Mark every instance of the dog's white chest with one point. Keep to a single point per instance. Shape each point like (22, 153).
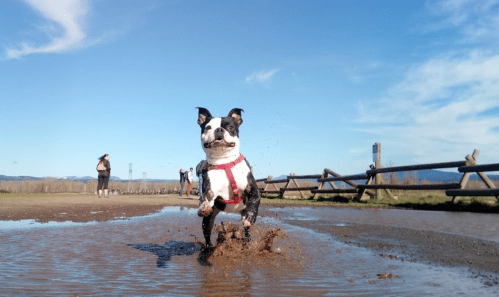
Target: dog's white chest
(220, 184)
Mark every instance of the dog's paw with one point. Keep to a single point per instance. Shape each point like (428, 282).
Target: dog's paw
(248, 217)
(246, 223)
(205, 209)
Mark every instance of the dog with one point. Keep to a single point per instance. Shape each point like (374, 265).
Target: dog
(227, 179)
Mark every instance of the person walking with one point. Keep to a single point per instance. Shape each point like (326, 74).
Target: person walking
(104, 169)
(199, 173)
(182, 181)
(189, 181)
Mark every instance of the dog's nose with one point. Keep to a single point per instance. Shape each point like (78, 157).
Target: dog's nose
(219, 131)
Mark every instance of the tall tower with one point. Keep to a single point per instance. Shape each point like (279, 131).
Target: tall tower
(130, 185)
(143, 184)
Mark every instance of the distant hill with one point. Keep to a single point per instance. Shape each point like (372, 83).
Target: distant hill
(83, 179)
(430, 175)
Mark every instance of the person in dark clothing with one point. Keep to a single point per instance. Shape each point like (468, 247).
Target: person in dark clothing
(182, 181)
(104, 169)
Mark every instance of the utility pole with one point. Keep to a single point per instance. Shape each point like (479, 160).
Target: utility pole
(130, 185)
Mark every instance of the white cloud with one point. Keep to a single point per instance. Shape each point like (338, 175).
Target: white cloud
(69, 16)
(447, 103)
(263, 76)
(476, 20)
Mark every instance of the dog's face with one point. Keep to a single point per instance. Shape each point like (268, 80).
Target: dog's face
(220, 136)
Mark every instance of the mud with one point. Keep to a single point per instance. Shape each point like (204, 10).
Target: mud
(479, 257)
(232, 250)
(270, 248)
(265, 245)
(161, 254)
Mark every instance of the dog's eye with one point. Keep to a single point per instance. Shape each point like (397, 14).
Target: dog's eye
(207, 128)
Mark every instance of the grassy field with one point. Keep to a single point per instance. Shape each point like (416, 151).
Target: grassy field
(421, 200)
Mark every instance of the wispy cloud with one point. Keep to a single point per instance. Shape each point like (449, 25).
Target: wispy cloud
(451, 100)
(442, 95)
(476, 20)
(69, 17)
(263, 76)
(448, 103)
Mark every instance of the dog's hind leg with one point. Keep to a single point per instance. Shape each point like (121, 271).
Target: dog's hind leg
(247, 237)
(208, 223)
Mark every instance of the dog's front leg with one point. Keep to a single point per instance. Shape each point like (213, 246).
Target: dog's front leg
(205, 208)
(208, 223)
(252, 202)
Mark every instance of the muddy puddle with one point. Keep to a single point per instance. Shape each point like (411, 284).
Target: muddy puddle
(160, 255)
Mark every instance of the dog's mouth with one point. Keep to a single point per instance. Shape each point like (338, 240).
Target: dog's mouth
(219, 143)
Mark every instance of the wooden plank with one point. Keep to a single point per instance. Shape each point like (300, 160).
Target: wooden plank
(344, 178)
(329, 171)
(314, 176)
(413, 187)
(300, 189)
(336, 191)
(271, 192)
(470, 161)
(276, 181)
(298, 186)
(363, 192)
(417, 167)
(261, 180)
(486, 180)
(351, 183)
(490, 192)
(479, 168)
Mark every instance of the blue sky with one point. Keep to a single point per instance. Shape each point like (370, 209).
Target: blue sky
(320, 82)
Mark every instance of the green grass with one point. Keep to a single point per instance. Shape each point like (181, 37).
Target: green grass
(420, 200)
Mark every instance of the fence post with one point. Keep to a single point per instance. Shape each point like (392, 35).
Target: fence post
(377, 165)
(470, 160)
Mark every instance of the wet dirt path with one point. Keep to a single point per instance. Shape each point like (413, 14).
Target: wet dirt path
(158, 255)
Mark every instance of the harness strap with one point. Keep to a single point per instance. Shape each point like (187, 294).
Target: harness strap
(227, 167)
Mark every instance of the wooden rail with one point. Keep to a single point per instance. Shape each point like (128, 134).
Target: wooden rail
(480, 171)
(348, 179)
(490, 192)
(362, 191)
(344, 178)
(417, 167)
(479, 168)
(413, 187)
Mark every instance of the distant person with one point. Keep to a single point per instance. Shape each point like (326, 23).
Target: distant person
(104, 169)
(199, 173)
(182, 181)
(188, 178)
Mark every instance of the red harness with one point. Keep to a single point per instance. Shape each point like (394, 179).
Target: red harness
(227, 167)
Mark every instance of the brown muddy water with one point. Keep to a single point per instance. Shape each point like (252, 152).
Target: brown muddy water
(158, 255)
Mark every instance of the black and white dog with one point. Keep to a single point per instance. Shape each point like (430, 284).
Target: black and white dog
(227, 181)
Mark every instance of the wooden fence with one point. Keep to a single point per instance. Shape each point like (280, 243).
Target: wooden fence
(374, 181)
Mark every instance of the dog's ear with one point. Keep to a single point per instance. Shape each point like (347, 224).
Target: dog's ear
(203, 115)
(235, 113)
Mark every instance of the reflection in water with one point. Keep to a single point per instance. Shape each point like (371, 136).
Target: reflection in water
(169, 249)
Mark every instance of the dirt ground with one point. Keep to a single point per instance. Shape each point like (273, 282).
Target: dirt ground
(480, 257)
(85, 208)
